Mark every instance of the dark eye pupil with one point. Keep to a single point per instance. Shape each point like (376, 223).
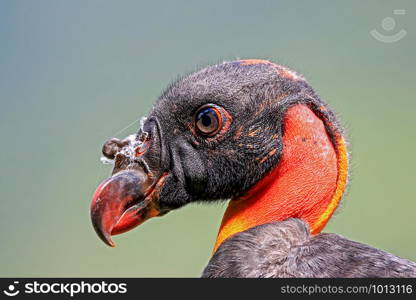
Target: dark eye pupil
(206, 120)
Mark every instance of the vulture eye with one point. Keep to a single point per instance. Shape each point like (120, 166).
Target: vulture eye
(208, 120)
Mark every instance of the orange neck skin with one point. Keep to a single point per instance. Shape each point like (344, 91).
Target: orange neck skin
(307, 183)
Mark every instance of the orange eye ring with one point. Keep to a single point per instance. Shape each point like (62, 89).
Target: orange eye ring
(208, 120)
(216, 124)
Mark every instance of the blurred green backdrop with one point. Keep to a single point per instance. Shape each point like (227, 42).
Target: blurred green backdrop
(73, 73)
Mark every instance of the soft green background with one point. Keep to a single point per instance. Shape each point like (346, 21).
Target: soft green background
(73, 73)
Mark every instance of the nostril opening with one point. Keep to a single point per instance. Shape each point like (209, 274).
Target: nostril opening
(113, 146)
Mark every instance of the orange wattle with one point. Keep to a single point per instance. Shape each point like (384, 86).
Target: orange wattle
(307, 183)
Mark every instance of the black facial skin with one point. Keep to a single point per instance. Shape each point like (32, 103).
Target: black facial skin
(228, 164)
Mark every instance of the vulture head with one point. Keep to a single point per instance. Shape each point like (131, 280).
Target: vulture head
(250, 131)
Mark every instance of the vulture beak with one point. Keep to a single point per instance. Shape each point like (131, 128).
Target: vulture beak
(130, 196)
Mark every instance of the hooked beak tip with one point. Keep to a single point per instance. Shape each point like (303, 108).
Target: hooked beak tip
(104, 235)
(110, 243)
